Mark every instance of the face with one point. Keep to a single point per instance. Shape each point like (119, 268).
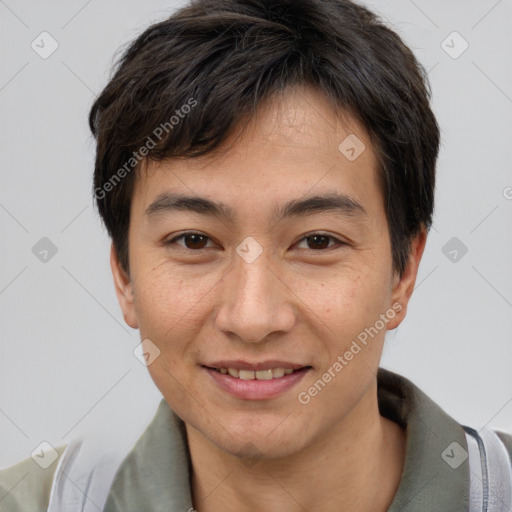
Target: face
(284, 262)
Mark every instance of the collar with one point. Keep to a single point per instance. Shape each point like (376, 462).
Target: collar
(428, 482)
(155, 475)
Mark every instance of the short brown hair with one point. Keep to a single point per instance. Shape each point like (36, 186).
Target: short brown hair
(223, 58)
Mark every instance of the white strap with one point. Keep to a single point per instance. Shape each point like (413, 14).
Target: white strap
(476, 492)
(83, 477)
(490, 472)
(499, 472)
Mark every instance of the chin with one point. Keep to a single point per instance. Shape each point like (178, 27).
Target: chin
(260, 439)
(258, 448)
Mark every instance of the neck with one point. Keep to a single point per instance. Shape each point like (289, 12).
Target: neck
(357, 466)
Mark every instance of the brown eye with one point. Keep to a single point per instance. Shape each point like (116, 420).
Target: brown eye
(318, 241)
(192, 241)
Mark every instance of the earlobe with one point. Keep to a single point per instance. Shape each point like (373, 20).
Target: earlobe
(403, 287)
(124, 290)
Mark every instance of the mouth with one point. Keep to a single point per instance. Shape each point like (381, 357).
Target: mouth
(256, 381)
(268, 374)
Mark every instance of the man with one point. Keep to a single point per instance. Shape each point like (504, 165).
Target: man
(266, 172)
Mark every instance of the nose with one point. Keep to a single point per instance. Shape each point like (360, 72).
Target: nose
(255, 301)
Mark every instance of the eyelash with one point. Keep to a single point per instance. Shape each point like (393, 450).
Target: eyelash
(309, 235)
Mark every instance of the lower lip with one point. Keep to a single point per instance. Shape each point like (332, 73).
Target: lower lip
(256, 389)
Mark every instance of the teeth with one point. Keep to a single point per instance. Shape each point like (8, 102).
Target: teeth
(246, 375)
(233, 372)
(264, 374)
(271, 373)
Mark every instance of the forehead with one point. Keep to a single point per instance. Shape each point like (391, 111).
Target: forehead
(295, 146)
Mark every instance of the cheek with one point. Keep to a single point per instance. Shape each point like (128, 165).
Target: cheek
(169, 303)
(351, 294)
(351, 308)
(170, 306)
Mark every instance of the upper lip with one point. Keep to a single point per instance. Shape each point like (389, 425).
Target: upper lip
(254, 366)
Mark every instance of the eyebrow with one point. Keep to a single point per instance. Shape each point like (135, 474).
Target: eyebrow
(341, 203)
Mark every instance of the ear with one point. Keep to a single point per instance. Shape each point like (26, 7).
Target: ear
(124, 290)
(404, 286)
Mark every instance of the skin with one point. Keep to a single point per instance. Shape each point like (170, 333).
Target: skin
(294, 303)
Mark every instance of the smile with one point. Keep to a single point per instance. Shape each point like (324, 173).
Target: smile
(271, 373)
(256, 384)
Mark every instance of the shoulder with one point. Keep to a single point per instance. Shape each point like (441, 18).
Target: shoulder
(68, 476)
(62, 478)
(26, 486)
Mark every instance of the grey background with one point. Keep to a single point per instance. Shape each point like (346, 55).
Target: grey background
(66, 357)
